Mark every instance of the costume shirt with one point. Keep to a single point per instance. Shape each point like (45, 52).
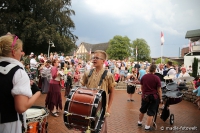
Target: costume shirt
(21, 86)
(94, 79)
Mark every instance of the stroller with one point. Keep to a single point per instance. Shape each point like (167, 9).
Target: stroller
(171, 94)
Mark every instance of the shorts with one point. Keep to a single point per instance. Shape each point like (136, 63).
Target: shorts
(148, 107)
(131, 89)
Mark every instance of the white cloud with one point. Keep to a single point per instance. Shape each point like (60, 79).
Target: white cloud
(162, 14)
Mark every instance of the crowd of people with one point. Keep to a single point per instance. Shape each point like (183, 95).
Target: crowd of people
(27, 76)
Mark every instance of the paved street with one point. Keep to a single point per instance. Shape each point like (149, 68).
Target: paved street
(124, 117)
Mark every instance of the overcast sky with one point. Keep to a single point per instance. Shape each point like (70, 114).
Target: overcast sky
(98, 21)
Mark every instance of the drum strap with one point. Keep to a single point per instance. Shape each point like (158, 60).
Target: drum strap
(102, 77)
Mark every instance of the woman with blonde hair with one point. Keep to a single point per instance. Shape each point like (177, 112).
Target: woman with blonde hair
(15, 93)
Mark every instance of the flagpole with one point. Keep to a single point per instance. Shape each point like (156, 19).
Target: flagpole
(161, 53)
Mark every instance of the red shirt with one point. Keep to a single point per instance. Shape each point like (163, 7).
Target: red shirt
(150, 83)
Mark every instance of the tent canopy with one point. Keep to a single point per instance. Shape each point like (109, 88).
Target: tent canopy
(193, 35)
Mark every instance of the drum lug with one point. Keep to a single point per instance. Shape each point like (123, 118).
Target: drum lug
(67, 113)
(91, 118)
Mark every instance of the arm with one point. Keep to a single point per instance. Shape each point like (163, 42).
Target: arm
(160, 93)
(22, 103)
(111, 96)
(22, 93)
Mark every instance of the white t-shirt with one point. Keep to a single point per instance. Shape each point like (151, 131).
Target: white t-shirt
(21, 86)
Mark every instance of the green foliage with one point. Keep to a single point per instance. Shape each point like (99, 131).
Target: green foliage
(38, 21)
(165, 61)
(143, 50)
(195, 67)
(119, 48)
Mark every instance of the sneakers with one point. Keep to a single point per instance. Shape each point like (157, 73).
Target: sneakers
(139, 124)
(149, 129)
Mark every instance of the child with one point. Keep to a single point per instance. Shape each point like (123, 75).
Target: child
(198, 96)
(68, 84)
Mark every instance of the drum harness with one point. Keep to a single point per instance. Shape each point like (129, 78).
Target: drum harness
(102, 77)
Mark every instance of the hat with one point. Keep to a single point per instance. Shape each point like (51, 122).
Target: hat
(183, 68)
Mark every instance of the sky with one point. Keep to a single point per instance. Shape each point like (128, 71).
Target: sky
(98, 21)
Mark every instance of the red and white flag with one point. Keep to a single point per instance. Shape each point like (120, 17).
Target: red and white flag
(90, 51)
(190, 46)
(162, 38)
(136, 51)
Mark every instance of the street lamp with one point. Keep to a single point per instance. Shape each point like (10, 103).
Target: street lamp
(52, 45)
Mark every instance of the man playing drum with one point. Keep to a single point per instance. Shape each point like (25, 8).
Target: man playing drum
(107, 85)
(151, 96)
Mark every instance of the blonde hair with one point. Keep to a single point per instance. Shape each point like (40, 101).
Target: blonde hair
(102, 52)
(6, 44)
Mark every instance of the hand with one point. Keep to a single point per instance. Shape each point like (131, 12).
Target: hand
(31, 82)
(35, 88)
(161, 101)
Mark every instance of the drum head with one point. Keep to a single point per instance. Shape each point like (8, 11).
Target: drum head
(163, 84)
(35, 111)
(172, 86)
(173, 94)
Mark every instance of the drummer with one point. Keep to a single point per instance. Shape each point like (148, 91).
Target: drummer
(170, 72)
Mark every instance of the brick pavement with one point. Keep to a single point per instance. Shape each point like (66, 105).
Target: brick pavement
(124, 116)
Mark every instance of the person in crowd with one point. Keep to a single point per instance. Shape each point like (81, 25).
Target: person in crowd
(125, 73)
(196, 81)
(45, 72)
(170, 72)
(53, 99)
(142, 72)
(16, 95)
(88, 66)
(67, 60)
(132, 77)
(197, 91)
(116, 76)
(34, 65)
(107, 85)
(151, 96)
(183, 73)
(77, 77)
(62, 60)
(111, 66)
(41, 56)
(160, 69)
(122, 72)
(189, 70)
(51, 57)
(68, 84)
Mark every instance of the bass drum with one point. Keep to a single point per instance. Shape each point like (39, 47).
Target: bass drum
(85, 109)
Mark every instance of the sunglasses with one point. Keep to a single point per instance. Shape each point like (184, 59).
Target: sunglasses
(97, 58)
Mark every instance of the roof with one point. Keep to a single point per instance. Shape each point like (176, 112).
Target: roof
(94, 47)
(193, 35)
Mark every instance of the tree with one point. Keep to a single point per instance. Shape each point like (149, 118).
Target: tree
(37, 22)
(119, 48)
(143, 50)
(195, 67)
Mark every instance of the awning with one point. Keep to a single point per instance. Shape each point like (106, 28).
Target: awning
(193, 35)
